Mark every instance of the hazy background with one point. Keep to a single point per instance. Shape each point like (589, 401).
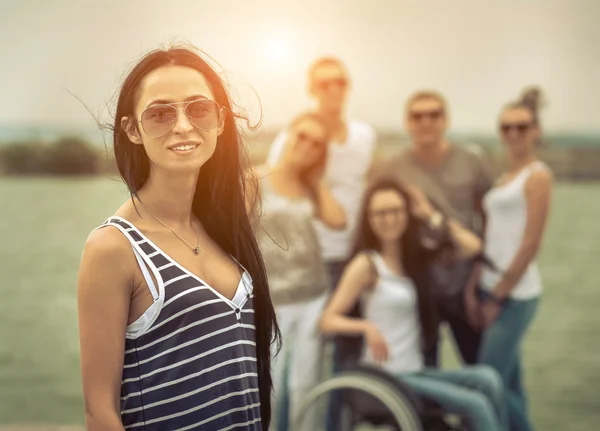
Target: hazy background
(479, 53)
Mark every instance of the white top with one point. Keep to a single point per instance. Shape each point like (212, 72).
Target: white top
(345, 176)
(392, 306)
(506, 212)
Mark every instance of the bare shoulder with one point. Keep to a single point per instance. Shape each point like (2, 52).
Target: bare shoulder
(107, 243)
(107, 253)
(540, 179)
(361, 265)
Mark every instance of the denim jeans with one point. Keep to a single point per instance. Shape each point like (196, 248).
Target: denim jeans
(475, 393)
(500, 349)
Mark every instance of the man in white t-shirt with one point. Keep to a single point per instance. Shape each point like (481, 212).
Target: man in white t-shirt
(350, 155)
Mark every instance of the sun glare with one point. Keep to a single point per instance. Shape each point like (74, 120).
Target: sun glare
(276, 50)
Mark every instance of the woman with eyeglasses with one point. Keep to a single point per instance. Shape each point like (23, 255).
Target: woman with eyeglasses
(293, 195)
(175, 318)
(516, 209)
(388, 277)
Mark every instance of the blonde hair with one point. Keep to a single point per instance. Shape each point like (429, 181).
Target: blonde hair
(325, 61)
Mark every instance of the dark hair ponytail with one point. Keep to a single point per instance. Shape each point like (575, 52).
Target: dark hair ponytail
(531, 99)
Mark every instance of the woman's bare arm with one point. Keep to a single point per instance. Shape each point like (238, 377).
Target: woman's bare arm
(356, 279)
(329, 210)
(467, 242)
(103, 297)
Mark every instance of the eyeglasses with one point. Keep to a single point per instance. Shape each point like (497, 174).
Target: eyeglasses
(383, 213)
(419, 116)
(303, 136)
(327, 84)
(521, 128)
(158, 120)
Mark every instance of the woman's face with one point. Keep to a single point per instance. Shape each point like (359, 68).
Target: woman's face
(518, 131)
(176, 119)
(388, 215)
(307, 143)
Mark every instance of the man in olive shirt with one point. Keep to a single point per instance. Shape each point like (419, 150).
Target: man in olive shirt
(455, 180)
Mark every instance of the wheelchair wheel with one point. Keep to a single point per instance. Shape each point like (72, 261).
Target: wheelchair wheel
(400, 407)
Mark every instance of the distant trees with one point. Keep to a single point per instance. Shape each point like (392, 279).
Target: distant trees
(66, 156)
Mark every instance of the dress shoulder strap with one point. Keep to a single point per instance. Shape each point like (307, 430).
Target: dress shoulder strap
(142, 249)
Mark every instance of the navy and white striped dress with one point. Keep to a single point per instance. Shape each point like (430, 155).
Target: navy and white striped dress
(190, 360)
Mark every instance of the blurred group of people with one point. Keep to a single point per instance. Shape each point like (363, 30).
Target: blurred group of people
(389, 249)
(204, 299)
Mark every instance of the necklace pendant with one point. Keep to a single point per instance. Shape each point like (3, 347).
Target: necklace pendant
(196, 250)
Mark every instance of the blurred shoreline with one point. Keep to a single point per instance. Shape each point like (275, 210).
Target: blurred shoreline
(265, 135)
(45, 150)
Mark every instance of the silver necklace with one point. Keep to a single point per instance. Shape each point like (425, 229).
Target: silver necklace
(196, 249)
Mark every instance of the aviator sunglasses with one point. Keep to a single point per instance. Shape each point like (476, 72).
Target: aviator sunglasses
(158, 120)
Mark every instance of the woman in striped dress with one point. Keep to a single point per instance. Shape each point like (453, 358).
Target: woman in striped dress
(175, 317)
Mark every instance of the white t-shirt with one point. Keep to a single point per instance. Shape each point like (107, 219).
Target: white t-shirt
(345, 176)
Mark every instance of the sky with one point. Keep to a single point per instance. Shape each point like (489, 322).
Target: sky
(478, 53)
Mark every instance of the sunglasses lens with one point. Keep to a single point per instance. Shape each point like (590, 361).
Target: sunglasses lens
(305, 137)
(431, 115)
(521, 128)
(339, 82)
(158, 120)
(203, 114)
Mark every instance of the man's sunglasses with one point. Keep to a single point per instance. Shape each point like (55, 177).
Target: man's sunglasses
(329, 83)
(434, 115)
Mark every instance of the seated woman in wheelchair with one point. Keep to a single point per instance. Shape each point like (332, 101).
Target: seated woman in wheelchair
(387, 277)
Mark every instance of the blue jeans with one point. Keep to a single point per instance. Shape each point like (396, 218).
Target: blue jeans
(500, 349)
(475, 393)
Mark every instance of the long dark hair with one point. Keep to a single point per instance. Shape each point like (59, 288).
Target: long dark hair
(415, 258)
(219, 201)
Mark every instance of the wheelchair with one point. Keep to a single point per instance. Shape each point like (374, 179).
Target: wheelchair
(370, 396)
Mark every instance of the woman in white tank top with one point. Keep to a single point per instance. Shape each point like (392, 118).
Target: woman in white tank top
(388, 276)
(516, 212)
